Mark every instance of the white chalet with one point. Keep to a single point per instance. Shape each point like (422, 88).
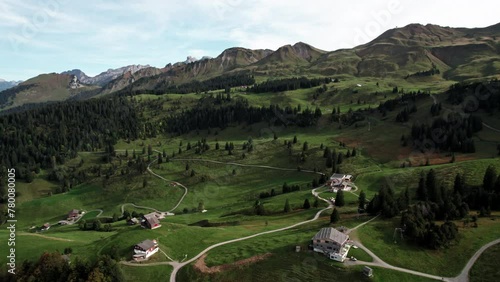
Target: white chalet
(145, 249)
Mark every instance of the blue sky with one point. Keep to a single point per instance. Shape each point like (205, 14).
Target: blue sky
(57, 35)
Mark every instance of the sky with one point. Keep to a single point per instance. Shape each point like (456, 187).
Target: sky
(47, 36)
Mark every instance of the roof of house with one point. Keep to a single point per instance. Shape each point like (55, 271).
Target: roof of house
(337, 175)
(147, 244)
(332, 234)
(74, 211)
(151, 219)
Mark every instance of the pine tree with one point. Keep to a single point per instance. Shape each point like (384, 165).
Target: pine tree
(306, 204)
(354, 153)
(335, 216)
(422, 193)
(305, 147)
(295, 139)
(489, 179)
(459, 185)
(362, 200)
(339, 199)
(430, 184)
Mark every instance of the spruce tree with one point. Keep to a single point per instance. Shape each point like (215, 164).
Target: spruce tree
(335, 216)
(489, 178)
(362, 200)
(339, 199)
(306, 204)
(422, 193)
(430, 184)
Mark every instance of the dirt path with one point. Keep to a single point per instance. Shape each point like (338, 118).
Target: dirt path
(247, 165)
(201, 266)
(43, 236)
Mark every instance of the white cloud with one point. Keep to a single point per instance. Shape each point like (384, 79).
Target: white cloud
(95, 34)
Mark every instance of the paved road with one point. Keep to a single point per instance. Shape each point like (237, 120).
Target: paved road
(464, 275)
(491, 127)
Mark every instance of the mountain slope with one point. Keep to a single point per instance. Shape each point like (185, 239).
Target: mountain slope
(43, 88)
(460, 54)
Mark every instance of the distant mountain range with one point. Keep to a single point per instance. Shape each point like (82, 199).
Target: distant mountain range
(104, 77)
(7, 84)
(460, 54)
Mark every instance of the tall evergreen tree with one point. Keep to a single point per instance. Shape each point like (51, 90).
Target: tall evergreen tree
(431, 185)
(490, 176)
(287, 208)
(306, 204)
(362, 200)
(459, 185)
(422, 193)
(339, 199)
(335, 216)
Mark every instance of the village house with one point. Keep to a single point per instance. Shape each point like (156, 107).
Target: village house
(45, 227)
(133, 221)
(73, 214)
(339, 181)
(331, 242)
(151, 221)
(145, 249)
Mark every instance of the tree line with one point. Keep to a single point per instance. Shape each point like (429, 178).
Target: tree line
(453, 133)
(236, 111)
(477, 95)
(54, 267)
(288, 84)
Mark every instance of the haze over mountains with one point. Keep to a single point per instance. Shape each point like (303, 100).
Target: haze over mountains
(460, 54)
(7, 84)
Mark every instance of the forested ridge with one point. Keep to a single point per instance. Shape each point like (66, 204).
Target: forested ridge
(287, 84)
(221, 111)
(47, 136)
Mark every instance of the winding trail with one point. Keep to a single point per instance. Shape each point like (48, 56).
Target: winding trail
(43, 236)
(491, 127)
(464, 275)
(247, 165)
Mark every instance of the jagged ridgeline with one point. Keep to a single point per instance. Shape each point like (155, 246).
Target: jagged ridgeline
(47, 136)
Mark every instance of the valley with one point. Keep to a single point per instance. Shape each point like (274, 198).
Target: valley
(230, 165)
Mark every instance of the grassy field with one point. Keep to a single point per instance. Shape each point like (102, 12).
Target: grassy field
(150, 273)
(378, 236)
(486, 267)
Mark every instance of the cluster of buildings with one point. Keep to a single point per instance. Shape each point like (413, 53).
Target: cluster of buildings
(150, 220)
(339, 181)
